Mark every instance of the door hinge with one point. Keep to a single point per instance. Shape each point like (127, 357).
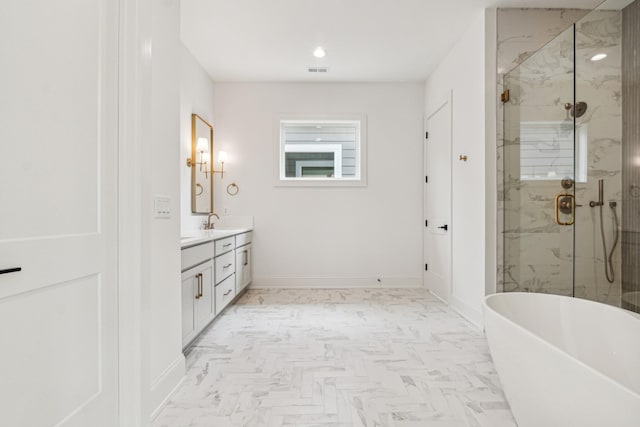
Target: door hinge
(426, 135)
(426, 179)
(426, 267)
(426, 223)
(505, 96)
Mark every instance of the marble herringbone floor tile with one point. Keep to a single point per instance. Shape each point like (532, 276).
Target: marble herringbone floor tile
(340, 358)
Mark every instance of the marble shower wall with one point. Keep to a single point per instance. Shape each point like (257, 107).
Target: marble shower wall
(539, 254)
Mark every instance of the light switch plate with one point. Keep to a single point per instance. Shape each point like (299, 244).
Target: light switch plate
(162, 207)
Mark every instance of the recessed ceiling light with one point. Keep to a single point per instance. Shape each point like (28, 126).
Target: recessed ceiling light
(598, 57)
(319, 52)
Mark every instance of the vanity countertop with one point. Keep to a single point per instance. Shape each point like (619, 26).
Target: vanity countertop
(196, 237)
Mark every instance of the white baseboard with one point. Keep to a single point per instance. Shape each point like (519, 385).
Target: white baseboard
(319, 282)
(472, 315)
(166, 385)
(438, 297)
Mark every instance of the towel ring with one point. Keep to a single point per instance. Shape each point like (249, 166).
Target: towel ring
(233, 189)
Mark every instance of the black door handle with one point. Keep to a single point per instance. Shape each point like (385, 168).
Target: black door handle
(444, 227)
(11, 270)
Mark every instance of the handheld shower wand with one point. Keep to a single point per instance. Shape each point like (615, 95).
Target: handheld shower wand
(608, 256)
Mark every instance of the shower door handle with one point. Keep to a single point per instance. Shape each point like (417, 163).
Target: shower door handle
(565, 203)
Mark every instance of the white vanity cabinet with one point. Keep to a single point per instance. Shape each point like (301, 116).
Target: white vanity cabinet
(210, 266)
(243, 261)
(197, 289)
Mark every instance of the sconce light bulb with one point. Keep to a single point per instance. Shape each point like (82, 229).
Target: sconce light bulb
(319, 52)
(202, 145)
(222, 156)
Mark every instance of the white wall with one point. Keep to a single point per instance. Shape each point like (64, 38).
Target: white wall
(312, 237)
(463, 72)
(160, 237)
(196, 96)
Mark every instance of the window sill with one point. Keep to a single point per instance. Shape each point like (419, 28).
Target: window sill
(301, 182)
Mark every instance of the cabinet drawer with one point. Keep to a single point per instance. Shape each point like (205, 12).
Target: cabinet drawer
(243, 239)
(225, 293)
(225, 245)
(196, 255)
(225, 266)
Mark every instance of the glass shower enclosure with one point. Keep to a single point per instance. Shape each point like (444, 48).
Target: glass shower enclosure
(572, 162)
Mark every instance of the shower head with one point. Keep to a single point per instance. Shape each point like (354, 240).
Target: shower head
(576, 111)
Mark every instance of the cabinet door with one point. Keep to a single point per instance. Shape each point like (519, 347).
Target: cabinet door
(205, 309)
(246, 267)
(189, 293)
(240, 254)
(243, 267)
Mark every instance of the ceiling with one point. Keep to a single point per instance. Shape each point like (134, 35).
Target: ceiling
(365, 40)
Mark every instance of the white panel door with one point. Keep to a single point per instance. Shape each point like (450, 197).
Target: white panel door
(437, 202)
(58, 213)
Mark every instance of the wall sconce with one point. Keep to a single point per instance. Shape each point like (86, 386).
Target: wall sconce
(202, 147)
(222, 157)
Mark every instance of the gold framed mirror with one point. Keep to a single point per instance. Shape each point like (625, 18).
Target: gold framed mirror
(201, 165)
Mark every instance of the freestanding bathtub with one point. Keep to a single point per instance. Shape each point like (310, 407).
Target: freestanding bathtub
(565, 362)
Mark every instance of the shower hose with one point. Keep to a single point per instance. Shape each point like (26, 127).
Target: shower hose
(608, 256)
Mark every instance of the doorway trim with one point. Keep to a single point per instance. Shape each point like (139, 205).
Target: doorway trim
(445, 102)
(133, 115)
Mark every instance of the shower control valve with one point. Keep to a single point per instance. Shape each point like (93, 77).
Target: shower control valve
(566, 183)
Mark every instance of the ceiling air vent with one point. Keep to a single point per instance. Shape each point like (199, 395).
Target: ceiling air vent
(318, 69)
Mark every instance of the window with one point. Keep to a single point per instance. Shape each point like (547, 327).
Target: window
(321, 152)
(547, 151)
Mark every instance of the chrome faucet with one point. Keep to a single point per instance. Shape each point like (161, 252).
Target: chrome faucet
(210, 225)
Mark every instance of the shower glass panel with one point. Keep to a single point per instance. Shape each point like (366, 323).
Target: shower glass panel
(540, 170)
(571, 156)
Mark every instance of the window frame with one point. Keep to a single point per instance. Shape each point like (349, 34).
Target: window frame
(580, 141)
(279, 151)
